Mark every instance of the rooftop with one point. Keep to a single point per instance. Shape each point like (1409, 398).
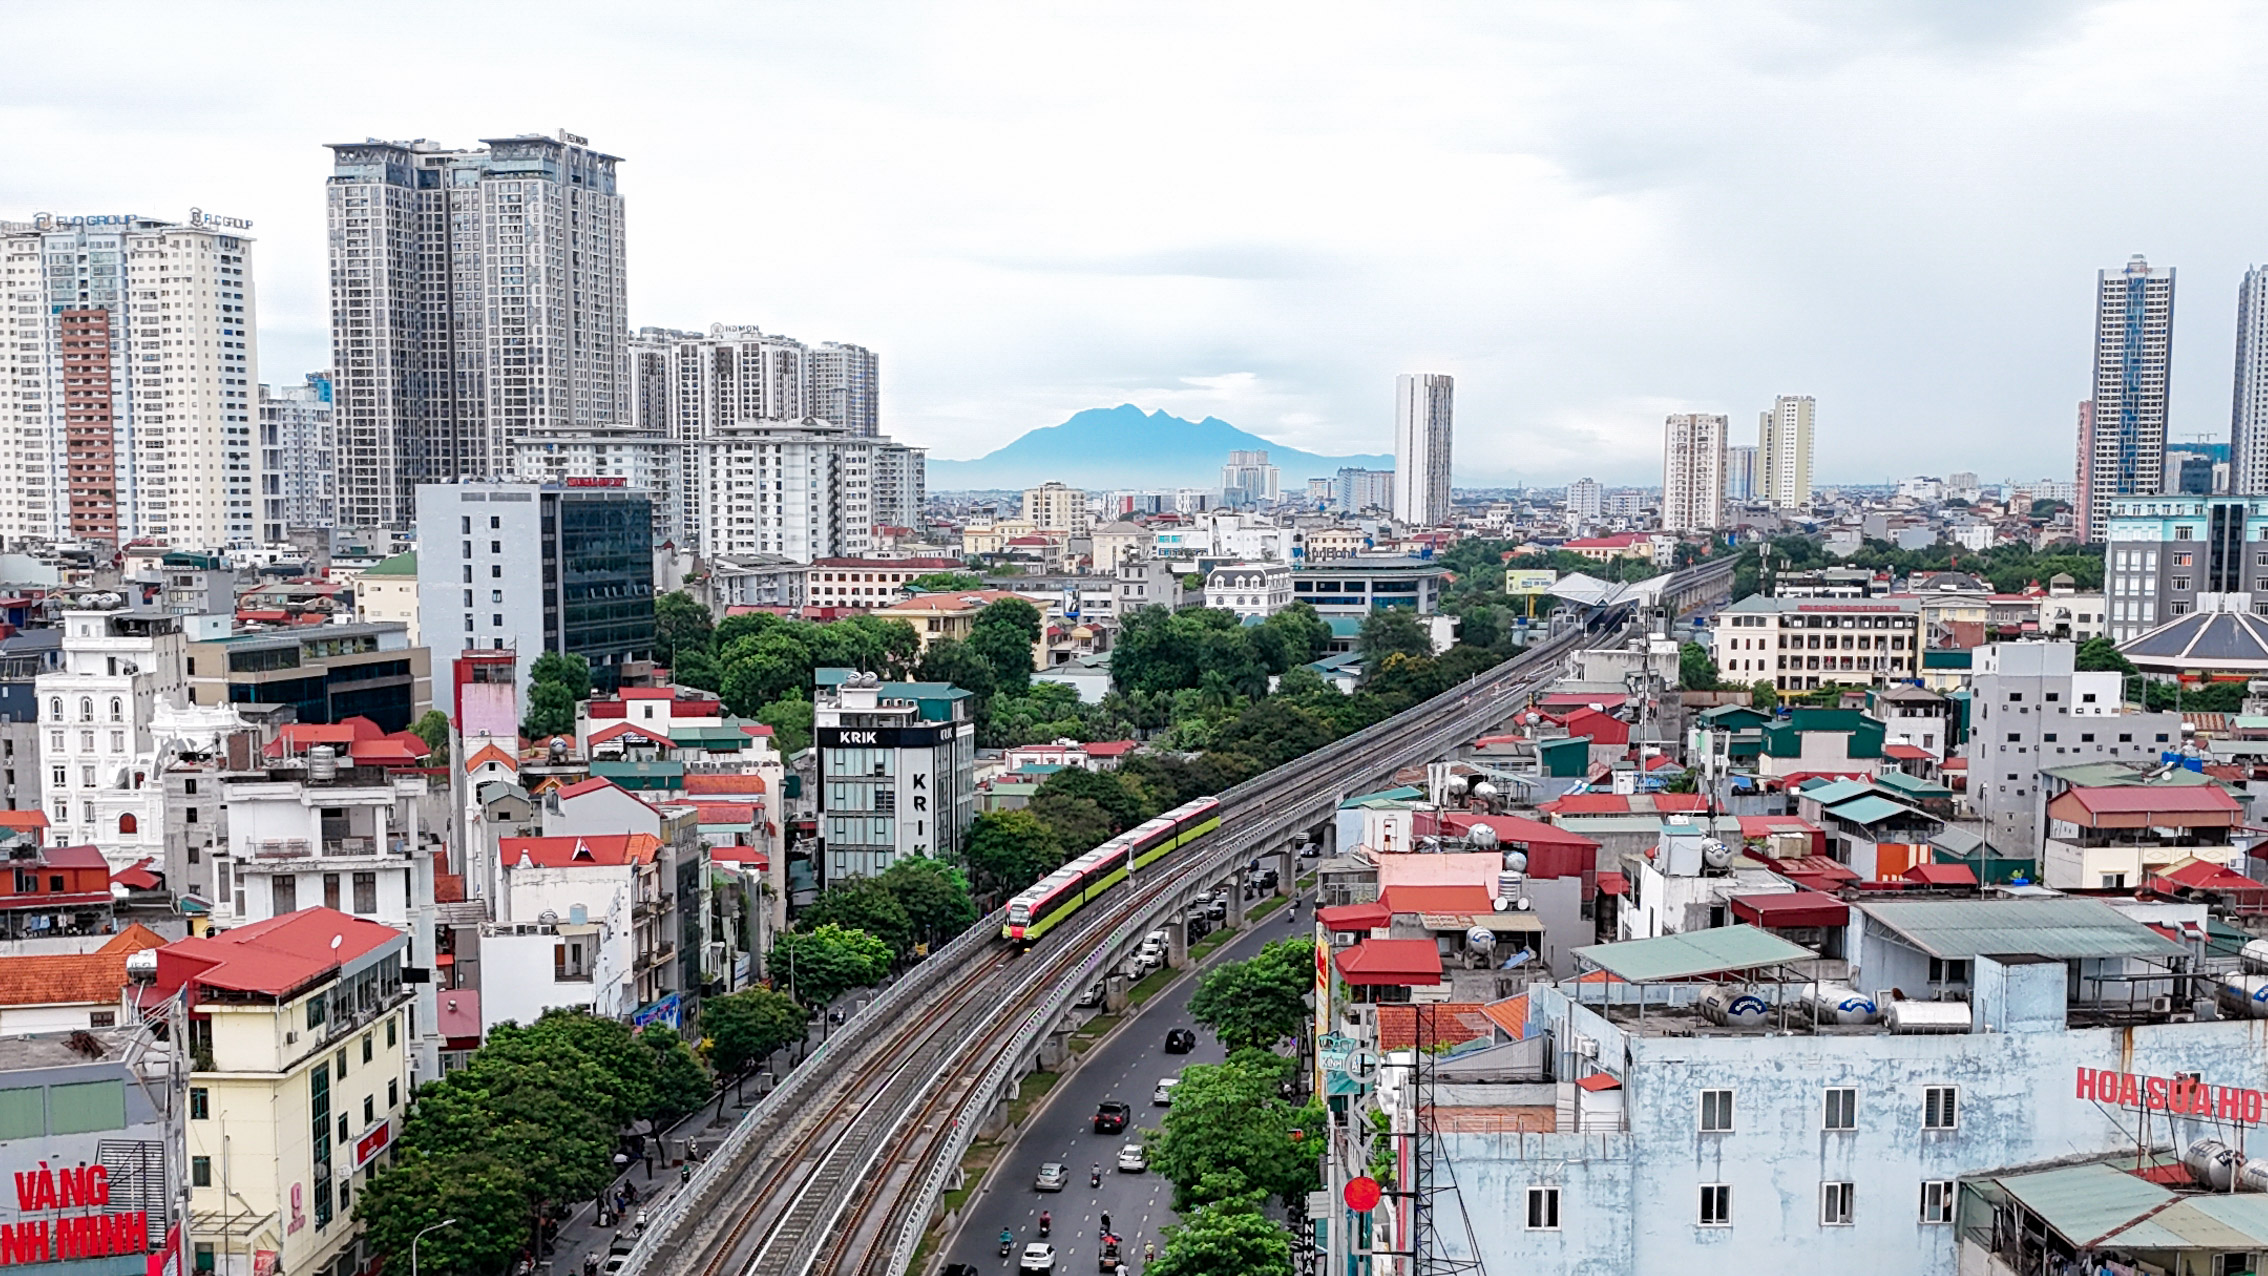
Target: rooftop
(1693, 954)
(2064, 928)
(611, 849)
(279, 955)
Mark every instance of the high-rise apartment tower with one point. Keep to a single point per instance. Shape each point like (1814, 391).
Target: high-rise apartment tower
(1693, 472)
(1423, 412)
(2248, 409)
(298, 458)
(1783, 452)
(475, 295)
(2133, 366)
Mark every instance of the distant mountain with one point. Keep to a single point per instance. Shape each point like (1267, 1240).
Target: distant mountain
(1106, 448)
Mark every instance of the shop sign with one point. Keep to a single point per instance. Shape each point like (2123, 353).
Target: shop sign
(2181, 1096)
(69, 1236)
(371, 1144)
(597, 480)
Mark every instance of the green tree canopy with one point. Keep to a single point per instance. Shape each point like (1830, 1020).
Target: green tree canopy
(1009, 850)
(950, 660)
(1274, 732)
(2101, 655)
(1229, 1237)
(433, 728)
(1260, 1001)
(822, 964)
(747, 1027)
(1003, 635)
(681, 624)
(790, 721)
(1229, 1132)
(1390, 630)
(1101, 788)
(1764, 694)
(681, 1080)
(551, 711)
(947, 582)
(935, 896)
(862, 904)
(486, 1196)
(571, 672)
(1695, 670)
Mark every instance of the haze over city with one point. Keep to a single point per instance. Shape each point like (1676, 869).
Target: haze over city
(1589, 216)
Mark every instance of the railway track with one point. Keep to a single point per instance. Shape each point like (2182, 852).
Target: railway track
(837, 1171)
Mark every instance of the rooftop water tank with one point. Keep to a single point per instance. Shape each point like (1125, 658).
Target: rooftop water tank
(1735, 1008)
(1941, 1017)
(1840, 1005)
(2254, 957)
(2212, 1163)
(322, 763)
(141, 967)
(2243, 996)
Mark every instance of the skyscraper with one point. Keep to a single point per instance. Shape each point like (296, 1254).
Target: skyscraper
(1740, 472)
(2248, 409)
(475, 295)
(129, 342)
(1422, 427)
(1693, 472)
(841, 386)
(1248, 479)
(2083, 486)
(1783, 452)
(2133, 365)
(298, 474)
(1585, 500)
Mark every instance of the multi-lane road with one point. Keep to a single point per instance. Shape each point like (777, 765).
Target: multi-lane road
(1126, 1066)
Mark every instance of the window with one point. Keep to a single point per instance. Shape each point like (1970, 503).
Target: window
(1941, 1108)
(1841, 1109)
(366, 1044)
(1716, 1205)
(393, 1093)
(1955, 971)
(369, 1109)
(1937, 1201)
(200, 1103)
(1543, 1209)
(1835, 1204)
(365, 897)
(340, 1063)
(315, 1011)
(1716, 1111)
(200, 1171)
(390, 1020)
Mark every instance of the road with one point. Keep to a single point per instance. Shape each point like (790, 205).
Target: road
(1125, 1067)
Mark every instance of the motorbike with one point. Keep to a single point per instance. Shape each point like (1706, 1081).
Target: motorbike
(1045, 1222)
(1007, 1244)
(1094, 1177)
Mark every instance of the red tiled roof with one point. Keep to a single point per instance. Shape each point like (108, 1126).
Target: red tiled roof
(1954, 764)
(1792, 908)
(1111, 748)
(564, 852)
(490, 753)
(137, 878)
(73, 857)
(1599, 1081)
(1510, 1014)
(1445, 1023)
(133, 939)
(383, 752)
(2149, 800)
(64, 979)
(1438, 899)
(1906, 752)
(1612, 883)
(1621, 804)
(1941, 875)
(620, 729)
(275, 956)
(2208, 876)
(580, 787)
(1391, 963)
(1519, 830)
(726, 784)
(1354, 917)
(22, 821)
(749, 855)
(725, 812)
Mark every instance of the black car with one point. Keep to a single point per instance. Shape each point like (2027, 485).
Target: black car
(1180, 1041)
(960, 1269)
(1111, 1118)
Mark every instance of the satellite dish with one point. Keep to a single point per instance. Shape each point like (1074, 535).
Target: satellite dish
(1500, 904)
(337, 940)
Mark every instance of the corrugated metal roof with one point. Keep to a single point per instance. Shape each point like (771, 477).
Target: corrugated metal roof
(1871, 809)
(2084, 1202)
(1834, 791)
(1958, 929)
(1700, 952)
(2207, 1221)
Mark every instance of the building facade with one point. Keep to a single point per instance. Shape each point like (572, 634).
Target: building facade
(1056, 507)
(1248, 479)
(94, 1124)
(1360, 584)
(1586, 499)
(1693, 472)
(2248, 410)
(1249, 589)
(1740, 473)
(475, 295)
(2134, 311)
(1357, 491)
(96, 709)
(2168, 556)
(804, 490)
(298, 459)
(2029, 711)
(1783, 452)
(1802, 644)
(321, 673)
(129, 342)
(1424, 421)
(897, 774)
(649, 463)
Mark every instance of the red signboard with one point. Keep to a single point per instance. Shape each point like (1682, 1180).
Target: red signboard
(2182, 1096)
(1363, 1194)
(597, 480)
(371, 1144)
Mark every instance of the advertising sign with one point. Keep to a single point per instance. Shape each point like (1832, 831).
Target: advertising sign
(2182, 1096)
(1529, 581)
(663, 1012)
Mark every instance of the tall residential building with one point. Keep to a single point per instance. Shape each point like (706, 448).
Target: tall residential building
(842, 385)
(1054, 507)
(2248, 409)
(1693, 472)
(2133, 367)
(1783, 452)
(97, 706)
(2083, 486)
(1740, 472)
(901, 483)
(803, 490)
(476, 295)
(128, 346)
(298, 475)
(1585, 500)
(1248, 479)
(1423, 410)
(528, 569)
(1356, 491)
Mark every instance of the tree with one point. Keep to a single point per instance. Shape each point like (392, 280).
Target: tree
(790, 721)
(1230, 1132)
(1764, 694)
(1009, 850)
(681, 624)
(764, 667)
(571, 672)
(958, 664)
(433, 728)
(1292, 637)
(862, 904)
(696, 668)
(486, 1196)
(681, 1082)
(551, 711)
(2101, 655)
(1390, 630)
(1274, 732)
(1004, 635)
(1229, 1237)
(1102, 789)
(1260, 1001)
(934, 894)
(1078, 823)
(1695, 670)
(745, 1028)
(823, 964)
(946, 582)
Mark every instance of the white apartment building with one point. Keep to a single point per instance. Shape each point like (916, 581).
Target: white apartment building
(1783, 452)
(1423, 423)
(1740, 472)
(128, 343)
(1248, 479)
(1693, 472)
(475, 295)
(651, 463)
(842, 385)
(1249, 589)
(901, 483)
(799, 489)
(2248, 424)
(1585, 500)
(1053, 507)
(298, 459)
(1356, 491)
(1803, 644)
(95, 713)
(2030, 711)
(2124, 433)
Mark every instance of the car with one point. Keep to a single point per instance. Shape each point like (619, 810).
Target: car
(1037, 1258)
(1110, 1118)
(614, 1264)
(1132, 1159)
(1216, 908)
(1163, 1095)
(960, 1269)
(1180, 1041)
(1052, 1177)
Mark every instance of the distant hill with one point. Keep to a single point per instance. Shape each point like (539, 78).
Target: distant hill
(1105, 448)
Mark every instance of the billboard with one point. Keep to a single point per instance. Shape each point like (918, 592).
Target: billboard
(1529, 581)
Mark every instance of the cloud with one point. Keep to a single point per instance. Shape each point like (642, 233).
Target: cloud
(1589, 215)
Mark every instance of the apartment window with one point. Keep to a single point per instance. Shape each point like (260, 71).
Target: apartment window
(1716, 1205)
(367, 1044)
(1716, 1111)
(365, 899)
(1835, 1201)
(200, 1103)
(1841, 1109)
(390, 1031)
(393, 1093)
(1543, 1209)
(200, 1171)
(2181, 582)
(1941, 1107)
(1955, 971)
(1937, 1201)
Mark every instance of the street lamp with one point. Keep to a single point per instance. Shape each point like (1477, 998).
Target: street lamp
(447, 1222)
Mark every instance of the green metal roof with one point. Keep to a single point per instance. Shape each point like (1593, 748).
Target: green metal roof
(1399, 793)
(1911, 786)
(1872, 809)
(1829, 792)
(1959, 929)
(2096, 774)
(2084, 1202)
(404, 564)
(2210, 1221)
(641, 776)
(1694, 953)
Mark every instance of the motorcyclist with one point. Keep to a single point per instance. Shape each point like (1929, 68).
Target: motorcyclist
(1046, 1222)
(1094, 1176)
(1007, 1240)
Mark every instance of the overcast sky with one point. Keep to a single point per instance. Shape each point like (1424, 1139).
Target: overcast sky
(1590, 215)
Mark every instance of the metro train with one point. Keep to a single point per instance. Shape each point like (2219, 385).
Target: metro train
(1061, 893)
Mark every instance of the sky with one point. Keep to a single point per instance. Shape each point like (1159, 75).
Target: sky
(1590, 215)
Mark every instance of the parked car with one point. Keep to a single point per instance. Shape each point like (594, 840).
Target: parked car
(1112, 1117)
(1216, 908)
(1180, 1041)
(1051, 1177)
(1163, 1095)
(1132, 1159)
(1037, 1258)
(961, 1269)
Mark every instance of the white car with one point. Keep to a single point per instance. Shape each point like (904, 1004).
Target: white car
(1163, 1095)
(1133, 1159)
(1037, 1258)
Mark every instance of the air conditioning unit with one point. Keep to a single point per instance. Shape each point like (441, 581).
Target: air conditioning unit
(290, 1038)
(2161, 1005)
(1586, 1047)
